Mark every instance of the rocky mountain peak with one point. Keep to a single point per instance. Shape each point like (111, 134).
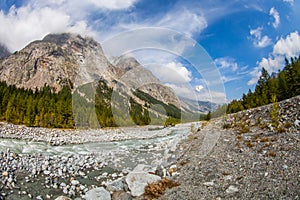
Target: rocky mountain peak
(70, 60)
(56, 60)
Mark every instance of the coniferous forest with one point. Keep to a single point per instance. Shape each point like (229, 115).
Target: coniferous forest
(44, 108)
(269, 88)
(41, 108)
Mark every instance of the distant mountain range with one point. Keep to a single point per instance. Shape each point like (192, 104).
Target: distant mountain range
(60, 60)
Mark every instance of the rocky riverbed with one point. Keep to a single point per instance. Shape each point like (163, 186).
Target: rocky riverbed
(58, 137)
(40, 170)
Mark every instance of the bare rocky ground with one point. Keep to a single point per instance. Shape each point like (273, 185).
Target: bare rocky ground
(243, 156)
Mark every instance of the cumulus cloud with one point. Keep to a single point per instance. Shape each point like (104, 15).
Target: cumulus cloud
(284, 47)
(289, 46)
(36, 18)
(25, 24)
(259, 40)
(172, 72)
(274, 13)
(183, 90)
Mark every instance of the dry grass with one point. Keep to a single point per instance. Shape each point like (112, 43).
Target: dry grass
(280, 129)
(155, 190)
(265, 139)
(244, 128)
(239, 137)
(272, 154)
(249, 144)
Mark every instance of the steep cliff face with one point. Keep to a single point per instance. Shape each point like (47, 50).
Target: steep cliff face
(57, 60)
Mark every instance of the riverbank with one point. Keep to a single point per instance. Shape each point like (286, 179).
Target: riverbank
(59, 137)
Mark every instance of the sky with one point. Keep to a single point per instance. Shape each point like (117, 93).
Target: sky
(238, 36)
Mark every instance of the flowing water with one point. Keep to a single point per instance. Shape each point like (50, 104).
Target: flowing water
(121, 154)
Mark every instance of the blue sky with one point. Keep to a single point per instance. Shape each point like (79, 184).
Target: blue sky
(240, 36)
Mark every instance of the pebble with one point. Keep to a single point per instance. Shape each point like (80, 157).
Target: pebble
(75, 182)
(47, 172)
(209, 184)
(232, 189)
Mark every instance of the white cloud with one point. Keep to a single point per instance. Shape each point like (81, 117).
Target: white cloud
(113, 4)
(81, 5)
(199, 88)
(227, 79)
(284, 47)
(274, 13)
(290, 46)
(183, 20)
(183, 90)
(226, 62)
(36, 18)
(289, 1)
(171, 73)
(26, 24)
(259, 40)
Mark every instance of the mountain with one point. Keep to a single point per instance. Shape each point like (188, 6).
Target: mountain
(66, 60)
(4, 52)
(56, 61)
(198, 106)
(134, 75)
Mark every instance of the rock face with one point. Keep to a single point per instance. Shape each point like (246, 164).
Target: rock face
(133, 74)
(57, 60)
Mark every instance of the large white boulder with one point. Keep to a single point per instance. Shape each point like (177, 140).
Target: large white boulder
(98, 193)
(137, 182)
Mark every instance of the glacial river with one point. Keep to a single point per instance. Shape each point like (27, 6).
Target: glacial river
(121, 154)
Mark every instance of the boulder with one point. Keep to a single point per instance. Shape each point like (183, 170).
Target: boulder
(62, 198)
(98, 193)
(137, 182)
(121, 195)
(116, 185)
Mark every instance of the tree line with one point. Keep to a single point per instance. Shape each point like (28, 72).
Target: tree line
(36, 108)
(282, 85)
(87, 107)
